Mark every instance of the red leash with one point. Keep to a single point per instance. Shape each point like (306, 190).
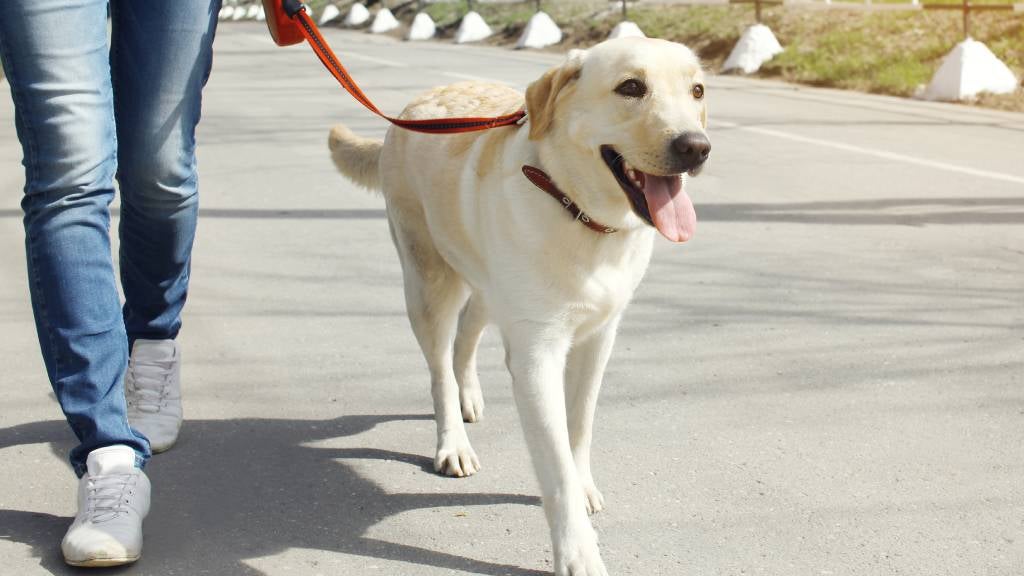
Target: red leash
(289, 23)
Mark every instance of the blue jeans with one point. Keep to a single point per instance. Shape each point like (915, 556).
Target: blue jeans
(87, 113)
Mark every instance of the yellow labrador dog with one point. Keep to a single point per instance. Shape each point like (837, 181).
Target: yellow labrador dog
(545, 231)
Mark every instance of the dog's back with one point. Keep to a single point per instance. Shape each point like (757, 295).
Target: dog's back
(359, 158)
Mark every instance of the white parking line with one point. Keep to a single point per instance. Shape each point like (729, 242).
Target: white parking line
(878, 153)
(394, 64)
(373, 60)
(461, 76)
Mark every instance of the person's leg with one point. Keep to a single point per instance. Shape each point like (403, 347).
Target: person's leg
(55, 57)
(161, 56)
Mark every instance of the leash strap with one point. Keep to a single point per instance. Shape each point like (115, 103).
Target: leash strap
(323, 51)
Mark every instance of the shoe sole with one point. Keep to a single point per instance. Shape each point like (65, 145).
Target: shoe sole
(103, 562)
(162, 449)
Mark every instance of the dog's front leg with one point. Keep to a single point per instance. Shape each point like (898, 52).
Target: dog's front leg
(587, 361)
(536, 356)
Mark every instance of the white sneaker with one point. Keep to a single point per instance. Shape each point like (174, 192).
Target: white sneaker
(152, 388)
(113, 498)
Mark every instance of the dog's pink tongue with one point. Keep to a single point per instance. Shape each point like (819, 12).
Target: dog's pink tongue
(670, 207)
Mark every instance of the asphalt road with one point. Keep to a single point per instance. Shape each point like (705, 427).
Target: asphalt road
(828, 380)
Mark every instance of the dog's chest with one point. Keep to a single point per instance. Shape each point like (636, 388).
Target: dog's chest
(601, 288)
(607, 291)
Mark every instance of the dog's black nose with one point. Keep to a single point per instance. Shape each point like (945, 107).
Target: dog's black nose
(693, 149)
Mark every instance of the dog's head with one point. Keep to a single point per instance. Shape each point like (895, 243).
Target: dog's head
(625, 121)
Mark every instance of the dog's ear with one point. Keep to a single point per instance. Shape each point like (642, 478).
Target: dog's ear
(542, 95)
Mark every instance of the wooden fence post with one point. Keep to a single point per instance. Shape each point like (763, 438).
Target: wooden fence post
(758, 4)
(967, 19)
(966, 7)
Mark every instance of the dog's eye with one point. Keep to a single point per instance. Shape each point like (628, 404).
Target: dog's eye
(632, 88)
(698, 91)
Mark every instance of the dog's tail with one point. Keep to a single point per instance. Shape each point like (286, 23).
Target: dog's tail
(356, 157)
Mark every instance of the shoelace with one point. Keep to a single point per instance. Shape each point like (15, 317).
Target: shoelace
(148, 384)
(109, 495)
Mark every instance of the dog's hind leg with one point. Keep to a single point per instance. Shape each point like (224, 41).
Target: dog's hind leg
(584, 371)
(434, 294)
(472, 322)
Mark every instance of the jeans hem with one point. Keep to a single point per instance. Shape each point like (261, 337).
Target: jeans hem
(81, 468)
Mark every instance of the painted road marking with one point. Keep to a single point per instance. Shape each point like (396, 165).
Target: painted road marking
(878, 153)
(374, 60)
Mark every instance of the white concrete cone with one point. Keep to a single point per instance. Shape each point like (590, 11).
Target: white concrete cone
(357, 15)
(757, 45)
(971, 68)
(423, 27)
(384, 21)
(540, 31)
(252, 11)
(472, 29)
(626, 30)
(330, 14)
(239, 13)
(261, 14)
(226, 13)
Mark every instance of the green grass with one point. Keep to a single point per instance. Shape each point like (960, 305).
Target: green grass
(885, 52)
(877, 52)
(957, 2)
(881, 51)
(508, 19)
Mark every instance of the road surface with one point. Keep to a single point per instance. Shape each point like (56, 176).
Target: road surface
(828, 380)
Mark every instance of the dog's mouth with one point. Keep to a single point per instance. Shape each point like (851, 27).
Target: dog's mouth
(658, 200)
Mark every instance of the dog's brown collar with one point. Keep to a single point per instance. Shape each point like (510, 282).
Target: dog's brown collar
(543, 181)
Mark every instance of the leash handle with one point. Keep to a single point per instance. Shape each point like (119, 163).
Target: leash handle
(295, 11)
(279, 21)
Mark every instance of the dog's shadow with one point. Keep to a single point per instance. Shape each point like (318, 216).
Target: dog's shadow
(249, 488)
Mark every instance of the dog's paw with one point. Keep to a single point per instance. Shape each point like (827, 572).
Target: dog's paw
(455, 457)
(580, 557)
(472, 400)
(592, 497)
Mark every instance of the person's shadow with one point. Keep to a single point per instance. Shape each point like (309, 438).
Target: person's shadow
(250, 488)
